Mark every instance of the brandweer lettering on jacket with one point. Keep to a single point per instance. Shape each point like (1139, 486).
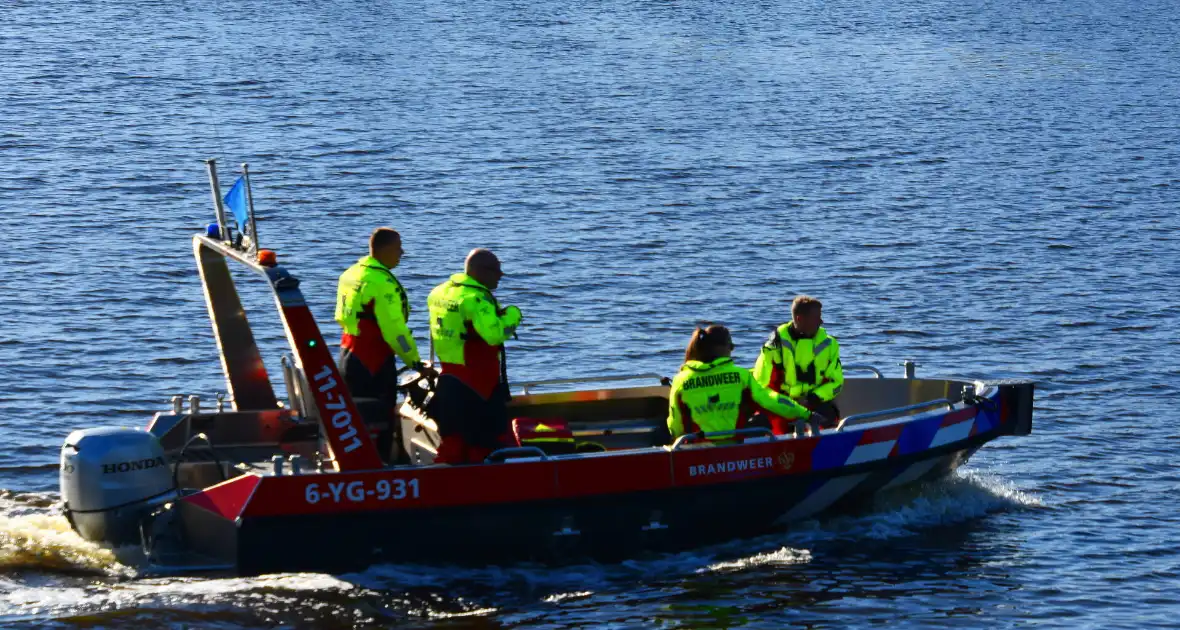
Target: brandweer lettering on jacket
(710, 380)
(740, 465)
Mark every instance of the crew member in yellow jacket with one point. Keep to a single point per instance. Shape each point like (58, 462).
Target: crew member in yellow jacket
(712, 394)
(802, 360)
(372, 310)
(468, 328)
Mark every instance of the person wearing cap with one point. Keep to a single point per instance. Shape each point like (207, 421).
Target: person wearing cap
(711, 394)
(468, 328)
(372, 310)
(802, 360)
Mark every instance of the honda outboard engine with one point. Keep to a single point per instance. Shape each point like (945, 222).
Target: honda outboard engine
(111, 478)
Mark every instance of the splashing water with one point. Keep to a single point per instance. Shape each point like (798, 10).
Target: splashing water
(47, 542)
(783, 557)
(906, 511)
(957, 498)
(33, 537)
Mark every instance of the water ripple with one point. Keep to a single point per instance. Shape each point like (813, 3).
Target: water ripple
(977, 187)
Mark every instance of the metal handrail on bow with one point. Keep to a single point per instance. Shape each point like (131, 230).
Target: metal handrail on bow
(896, 410)
(702, 435)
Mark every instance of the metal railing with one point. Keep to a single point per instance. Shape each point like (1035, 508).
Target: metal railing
(296, 387)
(590, 379)
(866, 368)
(514, 451)
(636, 430)
(896, 410)
(688, 438)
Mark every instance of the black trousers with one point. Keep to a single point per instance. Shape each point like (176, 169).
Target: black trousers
(375, 396)
(365, 384)
(458, 409)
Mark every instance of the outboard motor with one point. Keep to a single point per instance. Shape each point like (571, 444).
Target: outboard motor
(111, 478)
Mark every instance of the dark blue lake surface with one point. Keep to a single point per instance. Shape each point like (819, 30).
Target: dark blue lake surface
(988, 188)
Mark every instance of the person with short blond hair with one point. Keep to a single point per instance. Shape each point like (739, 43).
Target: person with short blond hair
(372, 310)
(802, 361)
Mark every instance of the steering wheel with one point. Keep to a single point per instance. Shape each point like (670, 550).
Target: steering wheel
(417, 381)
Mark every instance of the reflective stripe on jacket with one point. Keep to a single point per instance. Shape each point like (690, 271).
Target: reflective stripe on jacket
(372, 309)
(469, 329)
(720, 396)
(799, 366)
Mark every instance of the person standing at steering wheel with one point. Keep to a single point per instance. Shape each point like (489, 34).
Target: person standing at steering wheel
(372, 310)
(468, 328)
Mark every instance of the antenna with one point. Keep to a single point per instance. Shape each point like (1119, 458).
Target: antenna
(254, 247)
(211, 167)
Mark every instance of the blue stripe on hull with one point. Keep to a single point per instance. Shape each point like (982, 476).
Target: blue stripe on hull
(987, 420)
(917, 436)
(833, 450)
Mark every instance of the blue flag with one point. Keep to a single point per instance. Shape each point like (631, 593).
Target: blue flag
(235, 200)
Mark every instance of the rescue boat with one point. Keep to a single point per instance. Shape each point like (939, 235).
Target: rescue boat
(318, 481)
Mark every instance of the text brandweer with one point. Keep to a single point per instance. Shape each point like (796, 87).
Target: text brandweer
(741, 465)
(710, 380)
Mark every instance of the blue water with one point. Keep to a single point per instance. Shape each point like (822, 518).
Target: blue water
(988, 188)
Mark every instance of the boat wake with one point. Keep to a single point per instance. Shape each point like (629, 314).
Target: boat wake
(907, 511)
(783, 557)
(964, 496)
(35, 539)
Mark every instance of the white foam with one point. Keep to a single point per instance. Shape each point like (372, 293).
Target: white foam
(561, 597)
(45, 541)
(159, 593)
(783, 557)
(963, 496)
(18, 597)
(202, 587)
(475, 612)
